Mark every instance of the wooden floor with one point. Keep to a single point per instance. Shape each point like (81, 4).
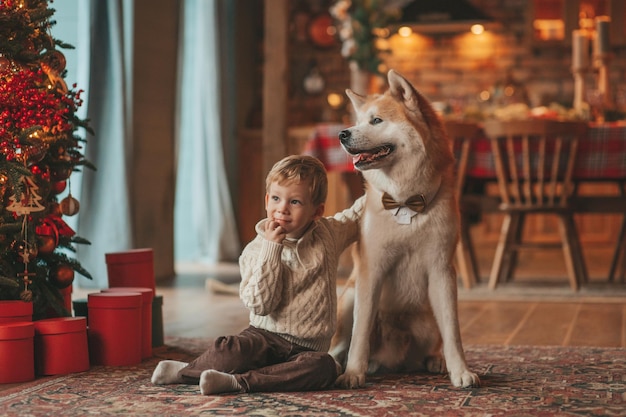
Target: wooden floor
(584, 319)
(519, 313)
(191, 311)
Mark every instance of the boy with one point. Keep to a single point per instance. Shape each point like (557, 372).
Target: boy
(289, 285)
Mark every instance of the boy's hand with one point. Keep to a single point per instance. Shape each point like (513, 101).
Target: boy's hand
(274, 231)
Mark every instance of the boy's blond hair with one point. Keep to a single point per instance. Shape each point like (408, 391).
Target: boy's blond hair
(298, 168)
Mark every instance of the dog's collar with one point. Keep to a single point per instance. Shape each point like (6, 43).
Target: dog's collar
(404, 212)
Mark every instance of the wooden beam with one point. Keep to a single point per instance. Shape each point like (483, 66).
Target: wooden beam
(275, 83)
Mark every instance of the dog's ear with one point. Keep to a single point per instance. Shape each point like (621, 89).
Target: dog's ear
(356, 99)
(402, 90)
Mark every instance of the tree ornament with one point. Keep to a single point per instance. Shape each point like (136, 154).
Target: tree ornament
(62, 276)
(58, 187)
(35, 153)
(55, 60)
(29, 200)
(27, 252)
(26, 295)
(47, 245)
(60, 174)
(69, 205)
(47, 235)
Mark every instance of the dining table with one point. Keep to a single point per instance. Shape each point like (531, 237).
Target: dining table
(601, 158)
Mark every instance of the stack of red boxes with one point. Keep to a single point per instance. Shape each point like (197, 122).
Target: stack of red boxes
(135, 268)
(124, 323)
(53, 346)
(16, 342)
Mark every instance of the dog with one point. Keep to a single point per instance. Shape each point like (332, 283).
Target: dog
(398, 312)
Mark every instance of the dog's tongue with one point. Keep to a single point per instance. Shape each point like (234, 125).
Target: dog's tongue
(357, 158)
(361, 157)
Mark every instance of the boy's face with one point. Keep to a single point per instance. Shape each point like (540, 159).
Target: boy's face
(290, 205)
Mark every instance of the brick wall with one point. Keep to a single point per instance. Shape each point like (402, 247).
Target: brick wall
(453, 67)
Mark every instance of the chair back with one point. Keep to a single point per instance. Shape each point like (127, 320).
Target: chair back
(534, 160)
(461, 133)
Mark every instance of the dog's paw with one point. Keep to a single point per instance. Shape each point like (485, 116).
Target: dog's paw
(465, 379)
(350, 381)
(435, 364)
(373, 367)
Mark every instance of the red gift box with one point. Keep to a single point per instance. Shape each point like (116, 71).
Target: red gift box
(61, 346)
(17, 359)
(146, 316)
(115, 333)
(133, 268)
(15, 310)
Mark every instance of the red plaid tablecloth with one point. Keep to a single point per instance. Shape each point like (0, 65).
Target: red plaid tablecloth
(601, 156)
(324, 145)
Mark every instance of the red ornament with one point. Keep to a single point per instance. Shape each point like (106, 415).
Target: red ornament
(62, 276)
(58, 187)
(47, 245)
(60, 174)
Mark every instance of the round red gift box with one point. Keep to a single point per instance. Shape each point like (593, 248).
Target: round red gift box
(17, 359)
(146, 316)
(61, 346)
(133, 268)
(15, 310)
(115, 333)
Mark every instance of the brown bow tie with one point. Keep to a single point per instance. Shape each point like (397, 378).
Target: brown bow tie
(416, 203)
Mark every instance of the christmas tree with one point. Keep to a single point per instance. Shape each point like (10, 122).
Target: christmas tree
(39, 151)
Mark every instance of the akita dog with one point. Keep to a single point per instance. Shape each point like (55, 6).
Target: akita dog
(400, 304)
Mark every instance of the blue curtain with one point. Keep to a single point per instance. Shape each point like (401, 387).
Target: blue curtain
(205, 227)
(105, 214)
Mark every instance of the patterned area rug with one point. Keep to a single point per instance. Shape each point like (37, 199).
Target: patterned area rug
(516, 381)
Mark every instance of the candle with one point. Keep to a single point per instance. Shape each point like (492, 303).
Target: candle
(580, 50)
(601, 42)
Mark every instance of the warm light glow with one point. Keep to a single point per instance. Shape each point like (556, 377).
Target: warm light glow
(405, 31)
(549, 29)
(484, 95)
(334, 100)
(477, 29)
(381, 32)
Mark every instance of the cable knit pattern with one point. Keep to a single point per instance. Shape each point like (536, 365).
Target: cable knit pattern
(290, 288)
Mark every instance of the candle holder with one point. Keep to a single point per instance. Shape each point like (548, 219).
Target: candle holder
(579, 89)
(602, 63)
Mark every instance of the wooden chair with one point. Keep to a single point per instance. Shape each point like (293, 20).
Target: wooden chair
(618, 263)
(461, 134)
(534, 161)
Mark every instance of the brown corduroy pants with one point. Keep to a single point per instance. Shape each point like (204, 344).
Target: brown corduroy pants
(262, 361)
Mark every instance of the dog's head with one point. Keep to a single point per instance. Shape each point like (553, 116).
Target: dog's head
(396, 131)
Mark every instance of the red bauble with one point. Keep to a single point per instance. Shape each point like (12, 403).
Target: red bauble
(58, 187)
(62, 276)
(47, 245)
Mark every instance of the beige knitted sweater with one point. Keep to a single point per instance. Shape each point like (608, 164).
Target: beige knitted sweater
(290, 288)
